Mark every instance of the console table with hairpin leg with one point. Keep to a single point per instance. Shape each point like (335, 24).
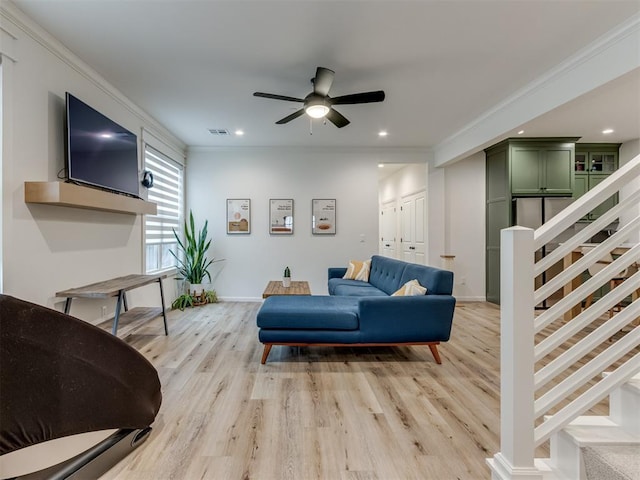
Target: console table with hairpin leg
(116, 287)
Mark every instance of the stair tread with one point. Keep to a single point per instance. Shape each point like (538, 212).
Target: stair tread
(598, 430)
(620, 461)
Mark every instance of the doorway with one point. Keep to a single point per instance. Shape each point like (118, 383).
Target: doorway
(413, 228)
(388, 221)
(402, 220)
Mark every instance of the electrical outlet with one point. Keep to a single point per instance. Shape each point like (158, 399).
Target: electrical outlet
(463, 280)
(104, 311)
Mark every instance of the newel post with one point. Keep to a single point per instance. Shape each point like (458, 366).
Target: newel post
(517, 448)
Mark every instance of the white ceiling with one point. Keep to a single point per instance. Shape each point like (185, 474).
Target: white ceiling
(194, 65)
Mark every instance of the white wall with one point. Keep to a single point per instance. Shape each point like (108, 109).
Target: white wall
(464, 212)
(48, 248)
(455, 218)
(351, 177)
(406, 181)
(436, 215)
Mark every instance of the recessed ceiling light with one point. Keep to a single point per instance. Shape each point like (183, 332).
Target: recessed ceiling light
(239, 132)
(607, 131)
(520, 132)
(381, 165)
(382, 133)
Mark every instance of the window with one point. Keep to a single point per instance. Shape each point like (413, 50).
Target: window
(167, 194)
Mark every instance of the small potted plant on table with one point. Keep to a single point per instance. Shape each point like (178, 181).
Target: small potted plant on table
(286, 279)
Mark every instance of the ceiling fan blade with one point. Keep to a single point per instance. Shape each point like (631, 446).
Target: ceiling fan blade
(337, 118)
(293, 116)
(277, 97)
(365, 97)
(322, 81)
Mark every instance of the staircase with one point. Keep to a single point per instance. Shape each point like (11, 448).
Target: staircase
(559, 367)
(600, 447)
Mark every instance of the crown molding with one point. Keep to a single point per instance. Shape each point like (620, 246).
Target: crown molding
(12, 14)
(619, 49)
(7, 44)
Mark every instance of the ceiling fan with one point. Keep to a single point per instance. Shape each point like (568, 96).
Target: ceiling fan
(319, 104)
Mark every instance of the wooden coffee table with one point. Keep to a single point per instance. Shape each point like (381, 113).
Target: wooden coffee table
(274, 287)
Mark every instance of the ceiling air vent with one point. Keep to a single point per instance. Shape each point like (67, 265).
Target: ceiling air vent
(221, 132)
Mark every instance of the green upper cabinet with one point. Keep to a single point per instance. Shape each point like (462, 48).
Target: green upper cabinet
(558, 171)
(525, 170)
(594, 162)
(539, 169)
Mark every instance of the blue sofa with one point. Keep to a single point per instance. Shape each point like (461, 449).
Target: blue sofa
(357, 313)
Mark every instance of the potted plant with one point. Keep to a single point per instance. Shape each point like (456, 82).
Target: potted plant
(183, 301)
(192, 262)
(286, 279)
(188, 300)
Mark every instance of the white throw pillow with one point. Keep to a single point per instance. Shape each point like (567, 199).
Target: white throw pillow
(358, 270)
(410, 289)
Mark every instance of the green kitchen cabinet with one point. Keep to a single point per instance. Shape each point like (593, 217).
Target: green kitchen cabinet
(594, 162)
(580, 184)
(521, 167)
(542, 170)
(595, 179)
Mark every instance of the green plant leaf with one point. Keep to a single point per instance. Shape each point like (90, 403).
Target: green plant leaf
(193, 263)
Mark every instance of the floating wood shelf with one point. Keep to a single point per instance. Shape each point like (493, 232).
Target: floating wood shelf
(70, 195)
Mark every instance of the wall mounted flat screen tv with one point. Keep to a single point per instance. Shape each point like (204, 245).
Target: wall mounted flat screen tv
(99, 151)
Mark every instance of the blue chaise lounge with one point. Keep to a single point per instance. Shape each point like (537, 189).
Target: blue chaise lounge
(364, 313)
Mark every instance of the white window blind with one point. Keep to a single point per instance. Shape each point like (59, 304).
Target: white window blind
(167, 193)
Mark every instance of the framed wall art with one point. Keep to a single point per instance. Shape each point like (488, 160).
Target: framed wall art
(281, 216)
(238, 216)
(323, 216)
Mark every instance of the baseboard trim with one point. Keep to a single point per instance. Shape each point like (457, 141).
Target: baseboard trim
(471, 299)
(240, 299)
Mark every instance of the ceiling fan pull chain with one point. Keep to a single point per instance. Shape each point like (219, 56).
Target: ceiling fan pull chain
(310, 126)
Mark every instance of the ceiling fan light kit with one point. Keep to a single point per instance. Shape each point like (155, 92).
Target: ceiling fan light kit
(317, 110)
(319, 104)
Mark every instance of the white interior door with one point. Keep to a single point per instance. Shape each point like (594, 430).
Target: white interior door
(388, 222)
(413, 228)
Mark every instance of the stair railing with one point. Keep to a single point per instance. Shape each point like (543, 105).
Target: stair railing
(537, 349)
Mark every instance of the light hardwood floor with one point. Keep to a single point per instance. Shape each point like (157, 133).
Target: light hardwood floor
(315, 413)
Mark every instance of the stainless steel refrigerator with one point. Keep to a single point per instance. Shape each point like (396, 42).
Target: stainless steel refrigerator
(532, 212)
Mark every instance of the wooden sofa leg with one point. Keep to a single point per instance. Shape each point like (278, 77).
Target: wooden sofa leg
(434, 351)
(265, 352)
